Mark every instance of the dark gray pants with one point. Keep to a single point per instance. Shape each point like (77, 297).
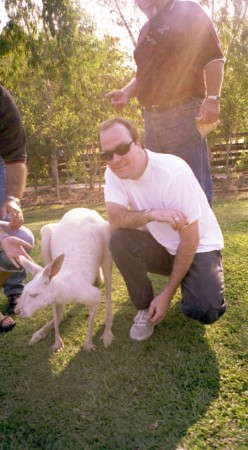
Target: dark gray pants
(136, 252)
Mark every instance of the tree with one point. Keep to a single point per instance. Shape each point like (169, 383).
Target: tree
(233, 31)
(59, 71)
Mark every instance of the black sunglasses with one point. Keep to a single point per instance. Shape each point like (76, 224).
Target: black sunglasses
(120, 150)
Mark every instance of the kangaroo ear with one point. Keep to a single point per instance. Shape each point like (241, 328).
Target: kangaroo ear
(30, 266)
(54, 267)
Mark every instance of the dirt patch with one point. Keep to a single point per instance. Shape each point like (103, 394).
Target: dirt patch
(79, 194)
(48, 196)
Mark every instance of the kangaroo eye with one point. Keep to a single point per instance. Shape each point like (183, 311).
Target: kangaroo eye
(33, 295)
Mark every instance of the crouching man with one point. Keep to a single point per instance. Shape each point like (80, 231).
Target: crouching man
(162, 223)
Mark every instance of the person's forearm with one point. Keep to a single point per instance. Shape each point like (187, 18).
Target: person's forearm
(16, 174)
(131, 88)
(214, 73)
(120, 217)
(182, 262)
(128, 219)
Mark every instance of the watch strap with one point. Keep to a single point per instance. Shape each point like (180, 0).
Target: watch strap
(214, 97)
(14, 199)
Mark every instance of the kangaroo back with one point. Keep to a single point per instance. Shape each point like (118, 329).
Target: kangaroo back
(46, 235)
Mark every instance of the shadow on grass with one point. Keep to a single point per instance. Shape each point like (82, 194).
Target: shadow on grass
(131, 396)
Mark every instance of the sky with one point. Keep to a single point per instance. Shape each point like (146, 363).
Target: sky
(100, 18)
(104, 23)
(2, 15)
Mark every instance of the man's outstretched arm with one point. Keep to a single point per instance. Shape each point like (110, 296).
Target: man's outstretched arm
(189, 239)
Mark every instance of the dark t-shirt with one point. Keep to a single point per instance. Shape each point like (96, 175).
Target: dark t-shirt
(12, 133)
(173, 49)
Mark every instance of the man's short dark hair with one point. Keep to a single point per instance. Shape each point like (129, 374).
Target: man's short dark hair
(129, 124)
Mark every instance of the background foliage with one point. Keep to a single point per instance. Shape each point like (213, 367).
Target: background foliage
(58, 69)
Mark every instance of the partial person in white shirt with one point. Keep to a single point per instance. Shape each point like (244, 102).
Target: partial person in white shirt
(161, 223)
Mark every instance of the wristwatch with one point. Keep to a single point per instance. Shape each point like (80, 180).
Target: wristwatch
(214, 97)
(14, 199)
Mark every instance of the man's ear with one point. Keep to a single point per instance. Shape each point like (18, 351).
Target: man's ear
(140, 142)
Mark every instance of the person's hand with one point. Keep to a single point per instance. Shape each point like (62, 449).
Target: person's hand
(209, 111)
(119, 99)
(158, 309)
(174, 217)
(14, 247)
(13, 210)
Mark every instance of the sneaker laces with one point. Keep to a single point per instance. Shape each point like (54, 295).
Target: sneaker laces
(141, 318)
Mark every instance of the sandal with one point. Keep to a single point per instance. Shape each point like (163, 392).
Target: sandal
(6, 324)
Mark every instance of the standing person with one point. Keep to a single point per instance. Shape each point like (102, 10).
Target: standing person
(178, 78)
(14, 285)
(13, 153)
(162, 223)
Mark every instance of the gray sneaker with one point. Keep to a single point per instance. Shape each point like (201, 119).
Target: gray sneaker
(142, 329)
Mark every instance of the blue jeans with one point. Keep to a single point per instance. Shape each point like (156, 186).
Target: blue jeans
(174, 131)
(14, 285)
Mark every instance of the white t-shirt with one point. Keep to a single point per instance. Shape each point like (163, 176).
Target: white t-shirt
(167, 182)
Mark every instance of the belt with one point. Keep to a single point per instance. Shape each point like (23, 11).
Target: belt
(160, 108)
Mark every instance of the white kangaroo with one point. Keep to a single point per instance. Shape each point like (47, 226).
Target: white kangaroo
(74, 249)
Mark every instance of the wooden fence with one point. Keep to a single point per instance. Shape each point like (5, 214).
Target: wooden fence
(229, 165)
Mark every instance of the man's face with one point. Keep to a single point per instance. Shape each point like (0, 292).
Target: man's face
(147, 7)
(128, 166)
(151, 7)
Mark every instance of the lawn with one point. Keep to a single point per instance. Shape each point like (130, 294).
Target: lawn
(186, 388)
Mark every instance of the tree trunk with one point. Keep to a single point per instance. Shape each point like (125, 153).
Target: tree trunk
(55, 173)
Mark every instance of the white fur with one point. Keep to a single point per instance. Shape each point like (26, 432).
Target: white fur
(73, 250)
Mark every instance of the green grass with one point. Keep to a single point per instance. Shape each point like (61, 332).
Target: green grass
(185, 388)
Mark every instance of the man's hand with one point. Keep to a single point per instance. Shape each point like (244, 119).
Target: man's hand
(158, 308)
(14, 247)
(11, 208)
(176, 218)
(209, 111)
(121, 217)
(119, 99)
